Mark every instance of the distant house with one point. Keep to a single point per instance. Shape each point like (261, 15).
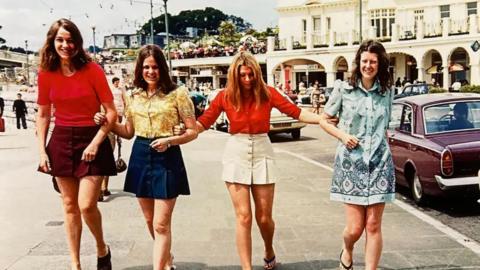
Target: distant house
(135, 41)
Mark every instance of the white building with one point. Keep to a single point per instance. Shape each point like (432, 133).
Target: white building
(318, 39)
(425, 39)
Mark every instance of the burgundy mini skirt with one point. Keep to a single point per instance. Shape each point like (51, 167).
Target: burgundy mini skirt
(65, 149)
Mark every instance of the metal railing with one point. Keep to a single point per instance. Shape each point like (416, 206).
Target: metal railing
(280, 44)
(320, 40)
(433, 29)
(341, 39)
(458, 27)
(407, 32)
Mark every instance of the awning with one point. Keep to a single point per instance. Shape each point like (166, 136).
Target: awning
(455, 67)
(433, 69)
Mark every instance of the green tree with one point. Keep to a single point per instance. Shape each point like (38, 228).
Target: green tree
(207, 20)
(227, 33)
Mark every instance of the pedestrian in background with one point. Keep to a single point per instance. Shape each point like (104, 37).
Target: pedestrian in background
(156, 171)
(363, 176)
(2, 106)
(248, 160)
(119, 101)
(20, 109)
(77, 154)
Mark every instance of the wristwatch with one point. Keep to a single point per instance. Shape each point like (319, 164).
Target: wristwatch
(168, 144)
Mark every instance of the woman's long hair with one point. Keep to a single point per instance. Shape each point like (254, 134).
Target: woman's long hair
(165, 83)
(383, 75)
(233, 92)
(50, 60)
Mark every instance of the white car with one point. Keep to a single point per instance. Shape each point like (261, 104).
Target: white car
(279, 122)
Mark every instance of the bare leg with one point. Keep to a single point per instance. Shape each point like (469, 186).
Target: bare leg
(73, 220)
(355, 225)
(374, 240)
(147, 206)
(162, 226)
(263, 197)
(240, 195)
(105, 183)
(87, 201)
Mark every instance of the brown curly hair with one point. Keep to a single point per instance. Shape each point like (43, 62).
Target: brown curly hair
(50, 60)
(383, 75)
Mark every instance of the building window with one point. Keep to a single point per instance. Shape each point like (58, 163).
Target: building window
(418, 14)
(445, 11)
(316, 24)
(383, 19)
(471, 8)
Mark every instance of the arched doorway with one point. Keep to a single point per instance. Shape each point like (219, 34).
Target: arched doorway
(298, 71)
(432, 61)
(458, 66)
(341, 68)
(403, 66)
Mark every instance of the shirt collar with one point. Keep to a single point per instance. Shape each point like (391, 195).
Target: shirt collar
(375, 88)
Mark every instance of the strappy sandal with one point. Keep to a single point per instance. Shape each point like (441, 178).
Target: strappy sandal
(170, 265)
(342, 265)
(269, 264)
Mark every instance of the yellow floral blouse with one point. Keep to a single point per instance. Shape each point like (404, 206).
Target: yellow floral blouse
(155, 116)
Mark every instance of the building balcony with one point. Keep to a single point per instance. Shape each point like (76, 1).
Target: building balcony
(443, 29)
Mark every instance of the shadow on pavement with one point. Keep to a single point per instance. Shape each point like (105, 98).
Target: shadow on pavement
(308, 265)
(464, 205)
(117, 193)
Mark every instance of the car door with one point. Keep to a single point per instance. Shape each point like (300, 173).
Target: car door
(400, 130)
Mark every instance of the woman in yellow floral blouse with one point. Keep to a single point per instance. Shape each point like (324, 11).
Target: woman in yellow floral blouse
(156, 172)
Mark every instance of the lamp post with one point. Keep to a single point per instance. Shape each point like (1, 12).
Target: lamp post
(168, 37)
(360, 28)
(151, 22)
(94, 46)
(26, 65)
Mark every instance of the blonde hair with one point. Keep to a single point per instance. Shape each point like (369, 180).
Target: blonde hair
(232, 90)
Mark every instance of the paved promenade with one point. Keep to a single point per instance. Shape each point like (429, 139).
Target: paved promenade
(308, 234)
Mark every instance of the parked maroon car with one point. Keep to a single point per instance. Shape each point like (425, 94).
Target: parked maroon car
(435, 143)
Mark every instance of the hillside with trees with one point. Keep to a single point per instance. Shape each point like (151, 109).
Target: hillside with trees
(207, 21)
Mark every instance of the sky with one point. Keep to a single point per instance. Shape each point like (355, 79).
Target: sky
(30, 19)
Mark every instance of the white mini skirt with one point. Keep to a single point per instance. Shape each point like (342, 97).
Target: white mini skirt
(249, 159)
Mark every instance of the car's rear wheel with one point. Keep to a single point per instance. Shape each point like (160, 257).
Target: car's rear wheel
(296, 134)
(417, 189)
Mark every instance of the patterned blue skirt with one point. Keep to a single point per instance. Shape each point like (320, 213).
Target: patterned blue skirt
(157, 175)
(362, 180)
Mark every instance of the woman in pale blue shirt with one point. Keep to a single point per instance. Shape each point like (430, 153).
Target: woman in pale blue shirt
(363, 178)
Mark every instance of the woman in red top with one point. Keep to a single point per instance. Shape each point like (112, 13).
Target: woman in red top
(248, 160)
(77, 153)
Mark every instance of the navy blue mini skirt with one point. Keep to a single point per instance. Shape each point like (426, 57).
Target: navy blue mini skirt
(156, 175)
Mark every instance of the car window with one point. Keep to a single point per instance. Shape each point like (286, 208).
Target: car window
(406, 119)
(396, 117)
(407, 90)
(452, 116)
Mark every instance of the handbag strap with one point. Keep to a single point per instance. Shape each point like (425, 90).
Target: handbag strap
(119, 148)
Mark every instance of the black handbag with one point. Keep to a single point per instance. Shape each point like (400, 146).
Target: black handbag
(120, 163)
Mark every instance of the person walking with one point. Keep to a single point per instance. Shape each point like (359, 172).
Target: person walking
(363, 178)
(119, 101)
(20, 109)
(248, 160)
(317, 98)
(77, 154)
(156, 172)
